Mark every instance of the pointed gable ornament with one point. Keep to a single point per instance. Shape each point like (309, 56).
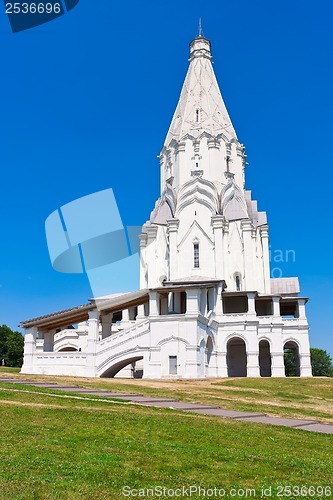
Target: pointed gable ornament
(233, 204)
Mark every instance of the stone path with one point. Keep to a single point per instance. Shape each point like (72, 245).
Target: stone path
(202, 409)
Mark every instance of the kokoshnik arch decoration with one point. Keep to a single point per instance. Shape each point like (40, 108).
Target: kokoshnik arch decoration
(207, 306)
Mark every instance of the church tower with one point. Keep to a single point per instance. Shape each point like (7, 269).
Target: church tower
(205, 223)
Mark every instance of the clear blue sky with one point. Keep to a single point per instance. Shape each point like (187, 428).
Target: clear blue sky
(86, 103)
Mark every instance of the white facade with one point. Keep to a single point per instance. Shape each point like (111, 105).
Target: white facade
(207, 306)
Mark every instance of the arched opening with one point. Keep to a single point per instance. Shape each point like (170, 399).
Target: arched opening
(209, 350)
(68, 349)
(236, 358)
(291, 359)
(129, 362)
(265, 362)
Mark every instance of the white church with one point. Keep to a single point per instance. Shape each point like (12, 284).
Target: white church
(207, 306)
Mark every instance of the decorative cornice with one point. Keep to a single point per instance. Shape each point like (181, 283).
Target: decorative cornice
(226, 226)
(151, 233)
(200, 47)
(246, 225)
(213, 143)
(218, 221)
(196, 146)
(264, 231)
(172, 225)
(143, 240)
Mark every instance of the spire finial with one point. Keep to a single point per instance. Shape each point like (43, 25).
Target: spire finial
(200, 27)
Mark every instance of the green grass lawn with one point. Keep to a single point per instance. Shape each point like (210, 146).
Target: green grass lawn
(9, 370)
(54, 447)
(290, 397)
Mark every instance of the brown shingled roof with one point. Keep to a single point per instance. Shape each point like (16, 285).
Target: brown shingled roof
(59, 316)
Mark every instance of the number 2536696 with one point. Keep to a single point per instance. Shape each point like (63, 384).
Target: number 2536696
(33, 8)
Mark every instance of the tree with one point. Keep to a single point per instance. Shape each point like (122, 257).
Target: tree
(4, 333)
(321, 363)
(11, 346)
(290, 363)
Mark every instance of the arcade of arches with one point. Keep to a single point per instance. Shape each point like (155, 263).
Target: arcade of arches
(237, 358)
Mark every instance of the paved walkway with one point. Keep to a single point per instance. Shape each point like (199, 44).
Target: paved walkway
(215, 411)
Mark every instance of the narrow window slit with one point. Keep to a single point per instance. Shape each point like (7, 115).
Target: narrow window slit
(196, 255)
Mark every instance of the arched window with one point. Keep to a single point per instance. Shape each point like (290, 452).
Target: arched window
(196, 259)
(238, 282)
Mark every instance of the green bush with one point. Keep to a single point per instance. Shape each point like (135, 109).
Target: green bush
(321, 363)
(11, 346)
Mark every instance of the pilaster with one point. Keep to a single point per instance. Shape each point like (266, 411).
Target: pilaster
(277, 364)
(153, 303)
(214, 146)
(151, 255)
(192, 301)
(277, 354)
(211, 299)
(305, 356)
(276, 319)
(305, 365)
(93, 335)
(49, 340)
(218, 303)
(173, 225)
(247, 227)
(276, 306)
(266, 266)
(301, 308)
(29, 350)
(253, 364)
(106, 321)
(125, 316)
(251, 304)
(221, 361)
(225, 246)
(203, 301)
(143, 245)
(141, 312)
(217, 223)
